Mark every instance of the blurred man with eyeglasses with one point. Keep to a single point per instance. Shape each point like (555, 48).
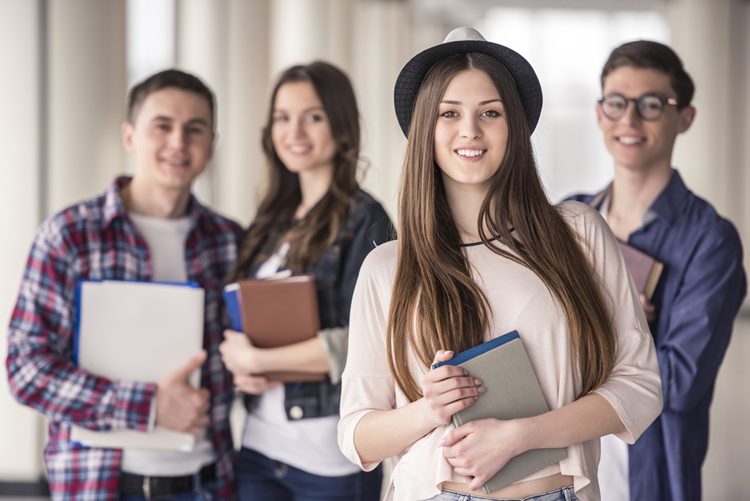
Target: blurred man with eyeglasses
(645, 106)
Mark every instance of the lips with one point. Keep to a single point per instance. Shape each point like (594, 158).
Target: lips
(176, 162)
(630, 140)
(299, 149)
(470, 153)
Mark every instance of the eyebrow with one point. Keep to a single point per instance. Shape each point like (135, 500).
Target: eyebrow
(481, 103)
(308, 110)
(192, 121)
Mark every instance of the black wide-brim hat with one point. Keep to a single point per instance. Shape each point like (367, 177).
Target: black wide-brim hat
(462, 41)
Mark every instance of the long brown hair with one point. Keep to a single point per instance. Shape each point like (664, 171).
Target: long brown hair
(435, 302)
(322, 223)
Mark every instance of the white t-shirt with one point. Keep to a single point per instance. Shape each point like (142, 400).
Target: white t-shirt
(306, 444)
(518, 300)
(166, 242)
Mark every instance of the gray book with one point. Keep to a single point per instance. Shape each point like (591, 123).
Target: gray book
(513, 392)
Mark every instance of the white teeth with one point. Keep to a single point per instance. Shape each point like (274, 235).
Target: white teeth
(630, 140)
(470, 153)
(299, 149)
(177, 163)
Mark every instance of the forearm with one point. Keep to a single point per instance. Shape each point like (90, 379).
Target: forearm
(382, 434)
(587, 418)
(306, 356)
(62, 392)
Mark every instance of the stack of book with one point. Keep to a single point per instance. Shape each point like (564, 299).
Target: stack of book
(276, 312)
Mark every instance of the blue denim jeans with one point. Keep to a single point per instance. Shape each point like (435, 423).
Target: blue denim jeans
(564, 494)
(261, 478)
(202, 492)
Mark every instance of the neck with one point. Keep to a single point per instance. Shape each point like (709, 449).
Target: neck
(151, 201)
(313, 187)
(465, 203)
(633, 192)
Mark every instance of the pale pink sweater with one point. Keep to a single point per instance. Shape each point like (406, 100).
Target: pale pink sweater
(518, 300)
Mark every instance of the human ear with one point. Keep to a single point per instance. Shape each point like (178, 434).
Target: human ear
(687, 115)
(126, 130)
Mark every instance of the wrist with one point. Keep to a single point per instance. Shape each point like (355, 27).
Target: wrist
(528, 433)
(421, 407)
(261, 361)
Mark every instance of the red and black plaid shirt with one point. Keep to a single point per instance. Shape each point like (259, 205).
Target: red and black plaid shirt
(95, 239)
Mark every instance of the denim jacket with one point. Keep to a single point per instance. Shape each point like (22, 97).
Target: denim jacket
(366, 226)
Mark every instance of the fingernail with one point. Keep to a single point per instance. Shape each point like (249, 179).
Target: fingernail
(482, 389)
(477, 381)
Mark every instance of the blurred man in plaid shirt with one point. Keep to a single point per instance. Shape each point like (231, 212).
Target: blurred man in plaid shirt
(148, 227)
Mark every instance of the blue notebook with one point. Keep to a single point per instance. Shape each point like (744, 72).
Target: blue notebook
(513, 392)
(480, 349)
(232, 305)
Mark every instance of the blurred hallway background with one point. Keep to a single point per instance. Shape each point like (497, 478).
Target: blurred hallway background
(67, 65)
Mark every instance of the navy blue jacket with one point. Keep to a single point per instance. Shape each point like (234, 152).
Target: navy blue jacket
(697, 299)
(367, 225)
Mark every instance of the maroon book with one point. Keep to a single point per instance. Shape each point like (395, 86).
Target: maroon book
(644, 268)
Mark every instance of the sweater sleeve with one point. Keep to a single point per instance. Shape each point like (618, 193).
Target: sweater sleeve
(633, 388)
(367, 383)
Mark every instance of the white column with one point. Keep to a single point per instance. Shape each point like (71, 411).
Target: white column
(382, 46)
(87, 96)
(341, 33)
(226, 44)
(243, 171)
(300, 30)
(201, 50)
(701, 35)
(20, 100)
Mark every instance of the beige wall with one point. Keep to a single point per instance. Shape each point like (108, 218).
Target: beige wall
(65, 102)
(19, 210)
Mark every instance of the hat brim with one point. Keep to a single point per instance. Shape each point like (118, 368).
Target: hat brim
(413, 73)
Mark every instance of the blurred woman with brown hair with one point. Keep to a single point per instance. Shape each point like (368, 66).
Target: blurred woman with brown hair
(314, 219)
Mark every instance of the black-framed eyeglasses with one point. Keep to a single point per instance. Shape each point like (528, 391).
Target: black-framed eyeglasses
(648, 106)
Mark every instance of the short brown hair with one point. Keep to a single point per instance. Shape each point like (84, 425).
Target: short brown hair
(647, 54)
(171, 78)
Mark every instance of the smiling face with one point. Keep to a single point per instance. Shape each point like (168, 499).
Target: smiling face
(301, 132)
(636, 144)
(171, 137)
(471, 131)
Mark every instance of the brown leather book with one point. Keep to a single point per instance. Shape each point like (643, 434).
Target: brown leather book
(279, 312)
(644, 268)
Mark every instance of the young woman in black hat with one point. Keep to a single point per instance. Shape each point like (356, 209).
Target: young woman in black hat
(482, 252)
(314, 219)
